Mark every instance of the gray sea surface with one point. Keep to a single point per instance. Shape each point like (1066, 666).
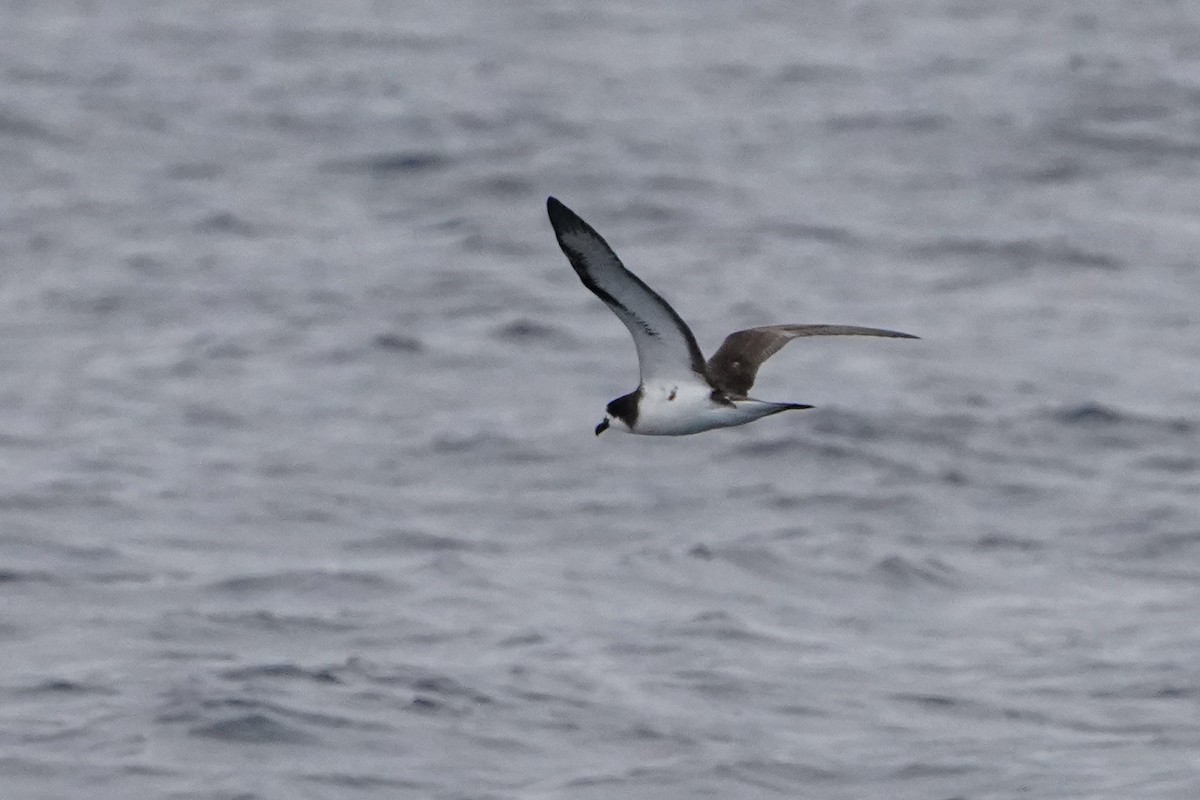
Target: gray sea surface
(299, 495)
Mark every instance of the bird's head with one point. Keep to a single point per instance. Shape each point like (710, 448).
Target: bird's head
(621, 414)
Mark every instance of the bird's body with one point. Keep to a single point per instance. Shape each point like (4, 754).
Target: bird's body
(675, 410)
(680, 393)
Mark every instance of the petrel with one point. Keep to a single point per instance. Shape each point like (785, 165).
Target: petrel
(680, 393)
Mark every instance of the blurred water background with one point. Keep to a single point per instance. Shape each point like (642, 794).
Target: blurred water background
(299, 492)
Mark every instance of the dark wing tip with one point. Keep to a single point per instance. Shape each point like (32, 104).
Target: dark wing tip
(884, 332)
(559, 214)
(563, 219)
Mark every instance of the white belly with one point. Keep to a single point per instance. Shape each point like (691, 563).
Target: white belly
(679, 411)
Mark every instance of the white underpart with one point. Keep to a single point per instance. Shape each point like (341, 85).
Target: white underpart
(691, 411)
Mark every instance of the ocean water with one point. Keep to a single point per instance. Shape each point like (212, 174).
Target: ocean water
(299, 496)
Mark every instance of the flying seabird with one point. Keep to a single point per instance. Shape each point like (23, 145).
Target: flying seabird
(680, 393)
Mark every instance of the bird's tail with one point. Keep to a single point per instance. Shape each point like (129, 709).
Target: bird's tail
(767, 409)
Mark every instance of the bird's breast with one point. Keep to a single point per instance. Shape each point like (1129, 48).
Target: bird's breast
(680, 410)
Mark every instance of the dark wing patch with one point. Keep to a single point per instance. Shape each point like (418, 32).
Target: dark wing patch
(734, 366)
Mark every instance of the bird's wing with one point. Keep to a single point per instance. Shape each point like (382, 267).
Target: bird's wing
(667, 350)
(733, 367)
